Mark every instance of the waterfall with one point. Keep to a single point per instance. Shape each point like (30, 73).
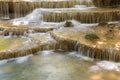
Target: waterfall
(20, 8)
(4, 10)
(85, 2)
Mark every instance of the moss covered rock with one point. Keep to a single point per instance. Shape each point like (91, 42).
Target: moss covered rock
(91, 37)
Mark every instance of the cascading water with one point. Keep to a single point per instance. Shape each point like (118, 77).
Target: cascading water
(4, 10)
(18, 8)
(85, 15)
(99, 41)
(85, 2)
(92, 15)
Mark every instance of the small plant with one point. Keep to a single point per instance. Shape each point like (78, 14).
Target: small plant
(91, 37)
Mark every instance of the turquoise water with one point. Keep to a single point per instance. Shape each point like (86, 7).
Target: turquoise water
(55, 65)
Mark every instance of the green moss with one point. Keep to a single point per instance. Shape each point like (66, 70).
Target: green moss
(4, 44)
(91, 37)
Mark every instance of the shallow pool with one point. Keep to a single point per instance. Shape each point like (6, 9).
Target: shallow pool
(58, 65)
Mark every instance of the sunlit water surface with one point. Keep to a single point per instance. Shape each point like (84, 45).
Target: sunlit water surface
(58, 65)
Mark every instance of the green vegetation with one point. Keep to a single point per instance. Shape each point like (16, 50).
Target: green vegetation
(91, 37)
(4, 44)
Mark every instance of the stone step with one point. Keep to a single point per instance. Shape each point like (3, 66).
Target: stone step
(98, 42)
(30, 45)
(85, 15)
(19, 8)
(24, 7)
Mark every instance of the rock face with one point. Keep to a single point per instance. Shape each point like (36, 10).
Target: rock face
(106, 3)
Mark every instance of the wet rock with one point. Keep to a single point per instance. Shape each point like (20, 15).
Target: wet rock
(102, 23)
(68, 24)
(11, 60)
(106, 3)
(17, 32)
(112, 26)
